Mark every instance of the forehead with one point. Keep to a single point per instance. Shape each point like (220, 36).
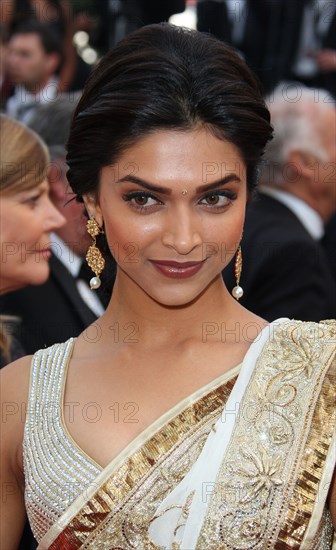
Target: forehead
(23, 188)
(26, 41)
(177, 154)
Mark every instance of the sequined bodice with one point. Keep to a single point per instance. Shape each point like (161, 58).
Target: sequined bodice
(56, 470)
(294, 365)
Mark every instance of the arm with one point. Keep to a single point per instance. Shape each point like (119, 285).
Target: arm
(14, 389)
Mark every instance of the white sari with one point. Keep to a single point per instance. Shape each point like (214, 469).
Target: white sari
(245, 462)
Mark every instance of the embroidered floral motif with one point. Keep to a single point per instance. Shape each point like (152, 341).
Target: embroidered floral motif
(299, 353)
(258, 476)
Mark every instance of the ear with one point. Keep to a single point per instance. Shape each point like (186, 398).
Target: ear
(53, 62)
(93, 208)
(303, 164)
(56, 182)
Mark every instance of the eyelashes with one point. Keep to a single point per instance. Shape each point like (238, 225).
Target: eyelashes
(219, 198)
(140, 199)
(33, 201)
(144, 201)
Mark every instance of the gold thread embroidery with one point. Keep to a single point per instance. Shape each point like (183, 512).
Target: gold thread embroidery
(250, 501)
(121, 511)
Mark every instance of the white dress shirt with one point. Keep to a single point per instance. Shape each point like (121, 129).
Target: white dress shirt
(309, 218)
(237, 13)
(21, 104)
(73, 263)
(316, 19)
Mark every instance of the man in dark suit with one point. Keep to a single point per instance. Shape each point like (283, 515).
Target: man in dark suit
(124, 16)
(50, 313)
(279, 39)
(285, 271)
(264, 31)
(329, 244)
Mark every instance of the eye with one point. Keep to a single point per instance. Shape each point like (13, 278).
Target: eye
(218, 199)
(212, 199)
(33, 200)
(141, 200)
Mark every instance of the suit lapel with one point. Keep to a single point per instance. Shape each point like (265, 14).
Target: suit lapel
(68, 286)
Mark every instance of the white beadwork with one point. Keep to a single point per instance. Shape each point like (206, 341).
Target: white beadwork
(56, 472)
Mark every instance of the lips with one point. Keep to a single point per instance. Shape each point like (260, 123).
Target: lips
(44, 252)
(177, 270)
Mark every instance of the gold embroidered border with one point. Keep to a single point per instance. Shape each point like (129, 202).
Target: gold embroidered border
(91, 518)
(258, 475)
(302, 503)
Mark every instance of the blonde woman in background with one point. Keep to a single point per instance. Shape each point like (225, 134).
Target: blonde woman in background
(27, 216)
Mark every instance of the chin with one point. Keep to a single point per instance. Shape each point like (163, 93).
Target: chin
(39, 277)
(178, 299)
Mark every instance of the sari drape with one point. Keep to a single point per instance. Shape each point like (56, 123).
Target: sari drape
(246, 462)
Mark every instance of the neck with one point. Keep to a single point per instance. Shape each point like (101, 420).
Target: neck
(36, 87)
(153, 322)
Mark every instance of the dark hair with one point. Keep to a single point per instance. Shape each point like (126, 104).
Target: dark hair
(165, 77)
(48, 36)
(24, 10)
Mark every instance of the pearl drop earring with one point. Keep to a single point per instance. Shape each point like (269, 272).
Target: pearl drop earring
(94, 257)
(237, 291)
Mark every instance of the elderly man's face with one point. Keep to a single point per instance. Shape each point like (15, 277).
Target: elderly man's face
(73, 233)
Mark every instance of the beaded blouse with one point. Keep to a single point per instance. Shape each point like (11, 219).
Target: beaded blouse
(56, 469)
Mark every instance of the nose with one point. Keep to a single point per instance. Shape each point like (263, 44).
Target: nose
(54, 218)
(182, 232)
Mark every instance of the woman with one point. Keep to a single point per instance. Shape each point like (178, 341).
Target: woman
(27, 217)
(180, 419)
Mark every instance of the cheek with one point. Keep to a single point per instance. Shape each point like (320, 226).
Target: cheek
(12, 224)
(25, 229)
(223, 237)
(126, 240)
(226, 228)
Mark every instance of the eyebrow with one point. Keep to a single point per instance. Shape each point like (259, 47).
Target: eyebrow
(166, 191)
(40, 188)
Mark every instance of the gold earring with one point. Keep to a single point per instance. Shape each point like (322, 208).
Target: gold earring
(94, 257)
(237, 291)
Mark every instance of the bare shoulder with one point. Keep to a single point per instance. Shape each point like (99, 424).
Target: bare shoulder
(15, 378)
(14, 384)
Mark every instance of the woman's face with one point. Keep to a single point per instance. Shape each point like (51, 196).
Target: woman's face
(173, 209)
(26, 219)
